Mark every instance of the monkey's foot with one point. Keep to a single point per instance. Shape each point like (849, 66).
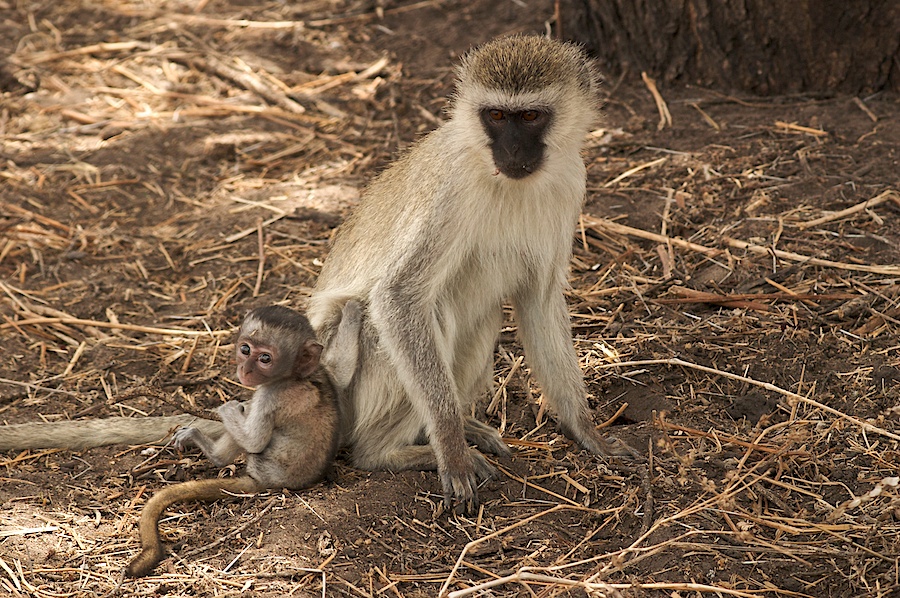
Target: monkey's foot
(462, 486)
(590, 439)
(486, 438)
(612, 447)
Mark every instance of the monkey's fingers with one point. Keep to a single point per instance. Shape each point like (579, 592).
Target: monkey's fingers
(463, 486)
(183, 438)
(486, 438)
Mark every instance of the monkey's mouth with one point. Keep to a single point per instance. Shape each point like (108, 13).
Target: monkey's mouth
(516, 170)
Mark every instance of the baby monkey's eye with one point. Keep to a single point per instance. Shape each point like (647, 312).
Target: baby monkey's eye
(245, 349)
(265, 358)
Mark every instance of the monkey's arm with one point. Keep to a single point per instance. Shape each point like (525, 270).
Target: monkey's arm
(545, 331)
(249, 424)
(402, 310)
(341, 357)
(82, 434)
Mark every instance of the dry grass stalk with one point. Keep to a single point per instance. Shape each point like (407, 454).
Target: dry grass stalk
(801, 493)
(889, 195)
(792, 396)
(665, 117)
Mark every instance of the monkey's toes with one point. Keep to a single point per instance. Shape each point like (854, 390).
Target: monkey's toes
(618, 448)
(612, 447)
(463, 490)
(486, 438)
(483, 469)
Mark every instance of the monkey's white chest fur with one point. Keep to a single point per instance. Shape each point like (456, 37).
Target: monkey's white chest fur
(447, 242)
(479, 211)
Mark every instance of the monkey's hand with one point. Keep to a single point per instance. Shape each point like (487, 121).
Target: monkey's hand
(461, 483)
(232, 411)
(184, 437)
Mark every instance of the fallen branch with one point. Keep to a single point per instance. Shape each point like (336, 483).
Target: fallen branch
(889, 195)
(737, 244)
(610, 589)
(116, 326)
(771, 387)
(812, 261)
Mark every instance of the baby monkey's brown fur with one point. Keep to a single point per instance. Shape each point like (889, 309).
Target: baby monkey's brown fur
(288, 429)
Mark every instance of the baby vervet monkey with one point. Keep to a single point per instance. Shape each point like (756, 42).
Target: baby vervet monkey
(288, 430)
(480, 211)
(83, 434)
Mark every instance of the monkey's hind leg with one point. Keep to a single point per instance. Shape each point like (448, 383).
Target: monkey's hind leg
(485, 437)
(221, 452)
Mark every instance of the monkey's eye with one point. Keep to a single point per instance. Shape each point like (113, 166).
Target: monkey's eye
(265, 358)
(530, 115)
(245, 349)
(496, 115)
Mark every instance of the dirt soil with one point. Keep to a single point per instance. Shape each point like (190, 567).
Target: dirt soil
(154, 151)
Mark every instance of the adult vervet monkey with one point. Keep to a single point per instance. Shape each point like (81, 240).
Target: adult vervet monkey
(481, 210)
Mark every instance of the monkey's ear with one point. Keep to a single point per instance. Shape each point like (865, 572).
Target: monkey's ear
(308, 358)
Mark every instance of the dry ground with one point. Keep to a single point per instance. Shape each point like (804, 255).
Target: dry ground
(151, 148)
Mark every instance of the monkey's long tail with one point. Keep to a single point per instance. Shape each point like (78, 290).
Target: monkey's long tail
(82, 434)
(151, 546)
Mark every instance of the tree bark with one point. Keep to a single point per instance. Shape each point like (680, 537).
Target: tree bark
(759, 46)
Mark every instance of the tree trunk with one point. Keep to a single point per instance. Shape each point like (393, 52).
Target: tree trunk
(759, 46)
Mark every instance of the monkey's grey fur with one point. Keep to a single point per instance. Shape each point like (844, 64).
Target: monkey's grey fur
(440, 240)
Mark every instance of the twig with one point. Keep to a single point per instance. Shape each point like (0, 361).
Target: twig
(102, 48)
(643, 234)
(611, 588)
(262, 257)
(116, 326)
(738, 244)
(249, 231)
(705, 116)
(800, 129)
(372, 15)
(879, 199)
(38, 387)
(635, 170)
(693, 296)
(771, 387)
(245, 78)
(727, 439)
(612, 419)
(859, 103)
(665, 118)
(477, 541)
(266, 507)
(813, 261)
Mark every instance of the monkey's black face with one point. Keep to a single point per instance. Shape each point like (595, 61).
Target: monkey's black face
(516, 139)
